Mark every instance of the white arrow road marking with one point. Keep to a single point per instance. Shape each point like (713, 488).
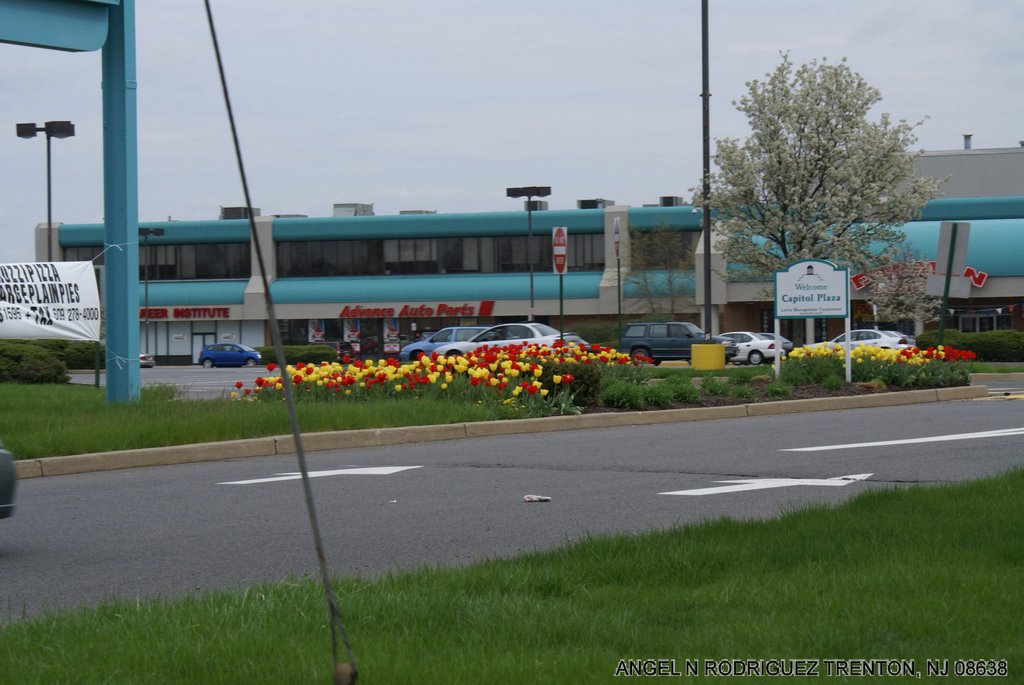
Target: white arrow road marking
(910, 441)
(768, 483)
(365, 471)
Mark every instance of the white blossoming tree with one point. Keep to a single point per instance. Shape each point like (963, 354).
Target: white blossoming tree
(898, 290)
(816, 179)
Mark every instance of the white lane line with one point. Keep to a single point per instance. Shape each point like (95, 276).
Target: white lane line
(1005, 432)
(365, 471)
(768, 483)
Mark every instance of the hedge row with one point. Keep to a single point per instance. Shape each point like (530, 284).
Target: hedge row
(293, 354)
(990, 346)
(25, 361)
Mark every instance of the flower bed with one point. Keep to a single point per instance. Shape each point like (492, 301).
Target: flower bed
(932, 367)
(534, 380)
(526, 379)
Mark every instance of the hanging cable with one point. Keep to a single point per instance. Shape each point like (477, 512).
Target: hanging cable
(344, 672)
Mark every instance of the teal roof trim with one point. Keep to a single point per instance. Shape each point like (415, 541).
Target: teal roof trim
(685, 218)
(164, 293)
(974, 208)
(436, 225)
(176, 232)
(660, 284)
(995, 246)
(444, 288)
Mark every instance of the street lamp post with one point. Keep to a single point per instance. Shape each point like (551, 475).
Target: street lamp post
(706, 184)
(618, 277)
(529, 192)
(52, 129)
(145, 233)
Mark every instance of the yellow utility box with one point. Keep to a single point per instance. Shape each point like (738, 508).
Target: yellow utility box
(708, 356)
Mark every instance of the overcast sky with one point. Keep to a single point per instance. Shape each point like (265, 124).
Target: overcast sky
(441, 105)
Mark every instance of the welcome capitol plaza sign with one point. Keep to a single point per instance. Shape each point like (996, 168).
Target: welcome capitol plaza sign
(812, 288)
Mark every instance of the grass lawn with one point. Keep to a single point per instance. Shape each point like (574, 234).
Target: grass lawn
(918, 574)
(57, 420)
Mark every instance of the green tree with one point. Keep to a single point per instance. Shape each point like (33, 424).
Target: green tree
(661, 268)
(816, 179)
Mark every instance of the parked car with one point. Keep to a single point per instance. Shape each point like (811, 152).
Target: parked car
(888, 340)
(228, 354)
(664, 340)
(508, 334)
(753, 348)
(432, 341)
(911, 340)
(147, 361)
(8, 482)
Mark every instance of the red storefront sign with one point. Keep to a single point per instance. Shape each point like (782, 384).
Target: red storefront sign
(186, 313)
(416, 310)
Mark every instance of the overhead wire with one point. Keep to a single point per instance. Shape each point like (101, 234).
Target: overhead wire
(336, 621)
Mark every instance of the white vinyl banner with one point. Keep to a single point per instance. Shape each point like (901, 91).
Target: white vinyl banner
(49, 300)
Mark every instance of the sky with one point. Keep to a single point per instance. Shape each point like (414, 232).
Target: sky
(442, 105)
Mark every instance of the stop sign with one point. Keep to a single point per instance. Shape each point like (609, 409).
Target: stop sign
(559, 246)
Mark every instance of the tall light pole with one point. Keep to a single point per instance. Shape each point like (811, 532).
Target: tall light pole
(706, 186)
(52, 129)
(618, 277)
(145, 233)
(529, 192)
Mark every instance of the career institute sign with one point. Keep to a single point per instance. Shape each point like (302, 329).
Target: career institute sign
(812, 288)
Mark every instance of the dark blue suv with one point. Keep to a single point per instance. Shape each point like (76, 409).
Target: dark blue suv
(228, 354)
(663, 340)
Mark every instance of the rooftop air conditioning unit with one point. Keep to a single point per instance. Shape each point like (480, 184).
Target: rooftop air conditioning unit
(671, 201)
(237, 212)
(536, 205)
(596, 203)
(353, 209)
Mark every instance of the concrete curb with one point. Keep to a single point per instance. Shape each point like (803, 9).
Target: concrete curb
(376, 437)
(996, 377)
(372, 437)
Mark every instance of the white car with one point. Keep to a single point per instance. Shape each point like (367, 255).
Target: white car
(887, 340)
(753, 348)
(509, 334)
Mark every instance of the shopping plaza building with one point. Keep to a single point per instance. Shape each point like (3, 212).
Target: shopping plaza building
(375, 281)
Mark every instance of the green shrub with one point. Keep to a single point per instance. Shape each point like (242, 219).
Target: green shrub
(683, 390)
(82, 355)
(810, 370)
(990, 346)
(658, 395)
(997, 346)
(586, 384)
(293, 354)
(711, 385)
(953, 338)
(834, 382)
(39, 365)
(620, 395)
(741, 392)
(779, 390)
(24, 361)
(603, 332)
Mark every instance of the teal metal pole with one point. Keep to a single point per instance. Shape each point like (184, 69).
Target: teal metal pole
(121, 205)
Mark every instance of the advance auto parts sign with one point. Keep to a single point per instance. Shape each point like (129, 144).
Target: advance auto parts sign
(49, 300)
(812, 288)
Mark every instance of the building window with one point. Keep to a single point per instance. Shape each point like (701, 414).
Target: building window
(86, 253)
(986, 320)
